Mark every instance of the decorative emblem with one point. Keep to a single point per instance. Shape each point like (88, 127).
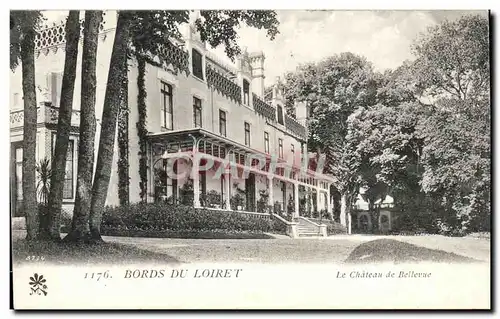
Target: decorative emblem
(38, 285)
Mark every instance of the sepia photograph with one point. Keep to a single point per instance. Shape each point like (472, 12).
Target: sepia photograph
(250, 159)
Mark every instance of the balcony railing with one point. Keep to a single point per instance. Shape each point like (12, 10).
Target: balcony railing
(223, 85)
(45, 114)
(295, 127)
(263, 108)
(56, 35)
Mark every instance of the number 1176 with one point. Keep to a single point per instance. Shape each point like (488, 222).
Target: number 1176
(97, 275)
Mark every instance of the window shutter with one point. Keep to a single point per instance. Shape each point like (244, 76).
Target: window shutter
(59, 86)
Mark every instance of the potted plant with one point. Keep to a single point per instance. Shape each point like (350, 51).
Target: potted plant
(262, 205)
(44, 171)
(290, 208)
(237, 202)
(277, 208)
(186, 193)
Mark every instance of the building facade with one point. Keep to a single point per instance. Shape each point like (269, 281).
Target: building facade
(211, 132)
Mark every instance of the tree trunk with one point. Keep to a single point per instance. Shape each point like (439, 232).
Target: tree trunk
(123, 139)
(116, 75)
(345, 211)
(373, 215)
(80, 230)
(29, 134)
(63, 126)
(141, 127)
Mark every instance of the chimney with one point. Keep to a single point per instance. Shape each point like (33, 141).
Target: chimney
(258, 77)
(301, 112)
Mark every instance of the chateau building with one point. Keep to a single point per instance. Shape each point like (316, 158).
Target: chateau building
(210, 132)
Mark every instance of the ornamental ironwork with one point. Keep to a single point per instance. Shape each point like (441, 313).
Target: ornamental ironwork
(223, 85)
(169, 53)
(295, 127)
(55, 35)
(263, 108)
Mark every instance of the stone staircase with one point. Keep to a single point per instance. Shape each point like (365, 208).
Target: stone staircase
(307, 228)
(302, 227)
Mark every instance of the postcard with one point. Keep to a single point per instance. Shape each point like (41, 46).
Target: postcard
(250, 159)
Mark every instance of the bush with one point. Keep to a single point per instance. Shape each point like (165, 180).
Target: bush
(65, 221)
(163, 217)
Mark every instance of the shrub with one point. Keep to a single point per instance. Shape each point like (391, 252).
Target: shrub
(65, 221)
(164, 217)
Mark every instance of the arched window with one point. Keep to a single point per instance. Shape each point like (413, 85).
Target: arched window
(280, 115)
(197, 64)
(246, 92)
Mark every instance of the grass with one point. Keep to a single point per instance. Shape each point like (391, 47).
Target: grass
(85, 254)
(269, 251)
(185, 234)
(390, 250)
(351, 250)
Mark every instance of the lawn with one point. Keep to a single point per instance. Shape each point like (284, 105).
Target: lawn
(68, 253)
(126, 250)
(390, 250)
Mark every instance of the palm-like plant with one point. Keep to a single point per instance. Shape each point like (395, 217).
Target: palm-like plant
(44, 171)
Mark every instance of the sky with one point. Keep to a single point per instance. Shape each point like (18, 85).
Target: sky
(383, 37)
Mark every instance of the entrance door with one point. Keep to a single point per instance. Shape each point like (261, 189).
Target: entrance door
(250, 192)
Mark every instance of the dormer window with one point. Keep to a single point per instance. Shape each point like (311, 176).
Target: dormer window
(246, 92)
(197, 64)
(280, 115)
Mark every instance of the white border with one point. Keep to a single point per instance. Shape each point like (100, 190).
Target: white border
(226, 4)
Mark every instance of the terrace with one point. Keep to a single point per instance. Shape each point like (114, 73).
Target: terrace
(46, 114)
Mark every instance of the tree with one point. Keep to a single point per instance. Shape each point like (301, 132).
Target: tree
(453, 65)
(144, 33)
(334, 88)
(52, 230)
(298, 85)
(80, 229)
(386, 143)
(23, 26)
(112, 99)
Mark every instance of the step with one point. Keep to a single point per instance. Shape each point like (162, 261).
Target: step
(309, 235)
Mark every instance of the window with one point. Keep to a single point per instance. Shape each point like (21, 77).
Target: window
(69, 175)
(266, 142)
(68, 178)
(280, 145)
(246, 92)
(167, 116)
(197, 112)
(247, 134)
(292, 150)
(197, 64)
(172, 185)
(222, 123)
(280, 115)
